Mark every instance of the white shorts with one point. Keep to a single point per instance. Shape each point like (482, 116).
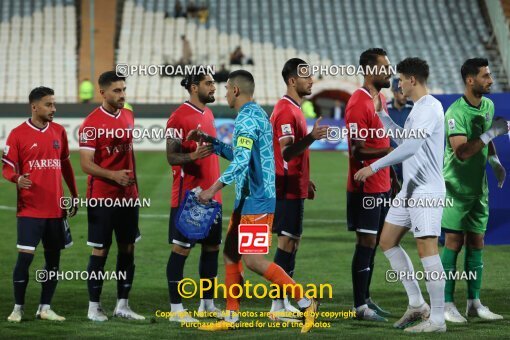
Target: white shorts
(421, 213)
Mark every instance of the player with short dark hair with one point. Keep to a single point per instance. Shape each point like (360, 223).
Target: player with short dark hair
(35, 158)
(252, 169)
(470, 127)
(422, 158)
(291, 142)
(367, 221)
(193, 165)
(108, 158)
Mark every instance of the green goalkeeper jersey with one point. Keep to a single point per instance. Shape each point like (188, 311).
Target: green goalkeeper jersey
(467, 178)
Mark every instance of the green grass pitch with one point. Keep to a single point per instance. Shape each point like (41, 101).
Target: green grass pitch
(324, 257)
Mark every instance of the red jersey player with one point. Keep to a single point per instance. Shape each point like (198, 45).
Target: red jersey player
(36, 156)
(193, 165)
(291, 141)
(365, 148)
(106, 151)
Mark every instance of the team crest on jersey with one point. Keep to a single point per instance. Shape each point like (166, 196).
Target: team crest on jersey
(6, 150)
(451, 124)
(286, 129)
(353, 126)
(56, 144)
(487, 117)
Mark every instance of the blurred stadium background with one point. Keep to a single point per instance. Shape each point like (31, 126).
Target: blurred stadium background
(61, 43)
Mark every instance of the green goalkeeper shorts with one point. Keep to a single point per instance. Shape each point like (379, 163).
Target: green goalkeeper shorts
(466, 214)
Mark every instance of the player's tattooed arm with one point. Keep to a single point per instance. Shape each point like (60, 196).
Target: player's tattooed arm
(290, 149)
(362, 152)
(174, 155)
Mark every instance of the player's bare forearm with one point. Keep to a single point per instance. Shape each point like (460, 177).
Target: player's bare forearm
(90, 168)
(465, 149)
(68, 174)
(173, 154)
(291, 150)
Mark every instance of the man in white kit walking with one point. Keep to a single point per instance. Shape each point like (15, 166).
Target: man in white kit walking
(422, 158)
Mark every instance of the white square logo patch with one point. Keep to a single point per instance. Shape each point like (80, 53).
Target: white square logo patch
(286, 129)
(451, 124)
(6, 150)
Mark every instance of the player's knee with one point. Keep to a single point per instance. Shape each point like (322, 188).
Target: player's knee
(454, 241)
(474, 241)
(128, 248)
(287, 244)
(181, 250)
(26, 251)
(251, 263)
(367, 240)
(386, 244)
(208, 247)
(103, 252)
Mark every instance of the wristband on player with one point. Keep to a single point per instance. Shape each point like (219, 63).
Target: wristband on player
(487, 136)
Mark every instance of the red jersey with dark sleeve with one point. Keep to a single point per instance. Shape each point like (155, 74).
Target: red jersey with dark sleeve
(292, 177)
(110, 136)
(202, 172)
(360, 117)
(38, 152)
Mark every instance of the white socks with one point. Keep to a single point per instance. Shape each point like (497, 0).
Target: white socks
(475, 303)
(43, 308)
(400, 262)
(206, 304)
(435, 288)
(277, 305)
(122, 303)
(176, 307)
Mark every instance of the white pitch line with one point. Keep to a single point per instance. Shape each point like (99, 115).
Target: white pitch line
(166, 216)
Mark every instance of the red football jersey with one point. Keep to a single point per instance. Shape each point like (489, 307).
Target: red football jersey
(38, 152)
(292, 177)
(360, 116)
(110, 136)
(202, 172)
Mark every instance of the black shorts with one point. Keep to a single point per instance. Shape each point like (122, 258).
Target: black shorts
(288, 217)
(104, 220)
(362, 215)
(54, 233)
(176, 237)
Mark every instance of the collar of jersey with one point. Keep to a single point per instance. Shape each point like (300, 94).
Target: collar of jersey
(187, 102)
(291, 100)
(109, 113)
(29, 123)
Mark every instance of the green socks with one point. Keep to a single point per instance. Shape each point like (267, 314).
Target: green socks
(474, 264)
(449, 260)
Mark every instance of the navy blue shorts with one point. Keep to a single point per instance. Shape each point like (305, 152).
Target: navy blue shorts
(54, 233)
(176, 237)
(362, 215)
(103, 221)
(288, 217)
